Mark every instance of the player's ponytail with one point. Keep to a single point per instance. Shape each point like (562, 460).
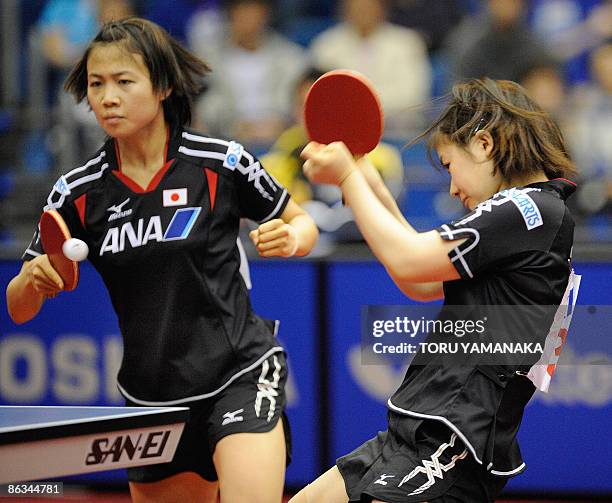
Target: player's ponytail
(172, 68)
(526, 139)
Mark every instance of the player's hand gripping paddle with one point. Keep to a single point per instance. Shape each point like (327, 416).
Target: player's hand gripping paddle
(53, 234)
(342, 105)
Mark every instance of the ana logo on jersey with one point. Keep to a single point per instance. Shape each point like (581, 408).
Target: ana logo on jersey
(117, 238)
(117, 211)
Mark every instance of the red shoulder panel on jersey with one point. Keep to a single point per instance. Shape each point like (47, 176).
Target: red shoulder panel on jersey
(212, 186)
(80, 203)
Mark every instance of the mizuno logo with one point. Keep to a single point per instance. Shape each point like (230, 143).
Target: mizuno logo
(117, 239)
(232, 417)
(381, 480)
(118, 212)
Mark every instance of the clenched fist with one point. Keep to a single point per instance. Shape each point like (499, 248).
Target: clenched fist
(275, 239)
(327, 164)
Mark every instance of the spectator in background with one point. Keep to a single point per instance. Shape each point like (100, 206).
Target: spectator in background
(589, 133)
(546, 86)
(66, 27)
(205, 27)
(254, 72)
(433, 20)
(394, 58)
(496, 44)
(572, 28)
(290, 9)
(323, 202)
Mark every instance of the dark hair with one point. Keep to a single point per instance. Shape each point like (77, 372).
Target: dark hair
(171, 67)
(526, 139)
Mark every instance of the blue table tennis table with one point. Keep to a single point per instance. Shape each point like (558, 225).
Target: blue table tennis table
(37, 443)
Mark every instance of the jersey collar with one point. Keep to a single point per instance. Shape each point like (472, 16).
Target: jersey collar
(562, 187)
(173, 138)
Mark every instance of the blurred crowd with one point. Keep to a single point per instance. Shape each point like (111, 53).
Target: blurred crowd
(265, 54)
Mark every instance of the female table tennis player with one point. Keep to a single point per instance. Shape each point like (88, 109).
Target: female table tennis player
(451, 433)
(159, 206)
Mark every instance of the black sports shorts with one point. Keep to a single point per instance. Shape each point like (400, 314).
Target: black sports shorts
(252, 403)
(416, 461)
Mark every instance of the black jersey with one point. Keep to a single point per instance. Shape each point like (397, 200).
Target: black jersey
(169, 258)
(517, 252)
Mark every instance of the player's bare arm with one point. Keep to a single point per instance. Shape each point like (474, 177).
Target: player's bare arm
(377, 184)
(408, 256)
(26, 293)
(422, 292)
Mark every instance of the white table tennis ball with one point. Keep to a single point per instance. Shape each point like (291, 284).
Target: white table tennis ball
(75, 249)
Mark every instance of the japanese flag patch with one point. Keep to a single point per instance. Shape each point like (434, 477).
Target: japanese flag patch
(175, 197)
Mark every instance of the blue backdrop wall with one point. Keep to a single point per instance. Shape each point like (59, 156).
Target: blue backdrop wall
(69, 355)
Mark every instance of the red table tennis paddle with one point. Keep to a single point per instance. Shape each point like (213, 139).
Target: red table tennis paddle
(53, 233)
(342, 105)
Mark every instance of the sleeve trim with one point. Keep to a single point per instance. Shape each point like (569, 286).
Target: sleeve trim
(280, 206)
(207, 154)
(31, 252)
